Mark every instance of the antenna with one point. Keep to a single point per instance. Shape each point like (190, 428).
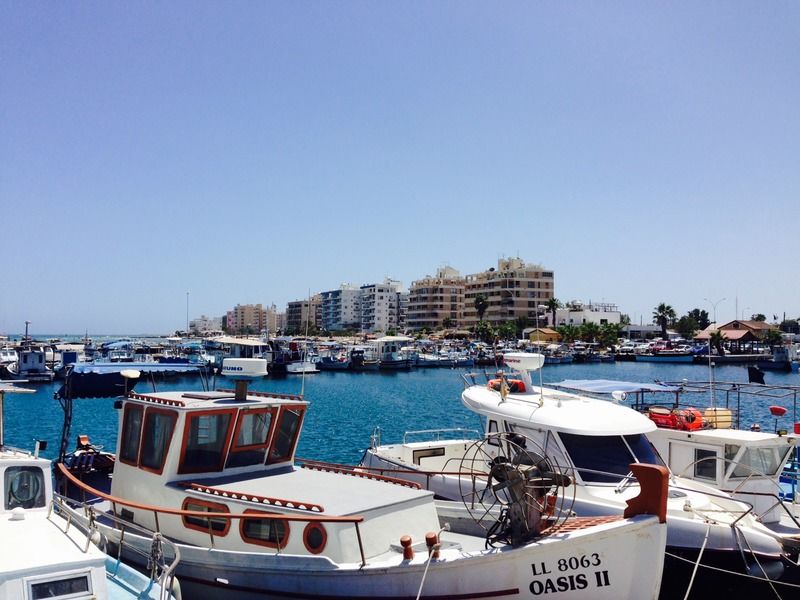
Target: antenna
(304, 355)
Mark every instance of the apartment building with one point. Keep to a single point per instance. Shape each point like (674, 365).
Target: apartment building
(513, 289)
(341, 308)
(300, 312)
(433, 300)
(381, 306)
(246, 318)
(577, 313)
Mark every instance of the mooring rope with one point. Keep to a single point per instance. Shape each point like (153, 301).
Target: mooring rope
(697, 564)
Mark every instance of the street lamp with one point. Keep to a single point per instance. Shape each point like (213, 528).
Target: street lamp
(714, 304)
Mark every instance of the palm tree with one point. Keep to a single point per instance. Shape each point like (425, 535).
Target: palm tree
(552, 305)
(663, 315)
(715, 339)
(589, 331)
(481, 304)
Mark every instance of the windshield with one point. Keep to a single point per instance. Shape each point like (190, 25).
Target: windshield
(607, 458)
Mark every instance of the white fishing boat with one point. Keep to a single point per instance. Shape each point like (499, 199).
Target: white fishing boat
(216, 472)
(596, 441)
(45, 555)
(699, 436)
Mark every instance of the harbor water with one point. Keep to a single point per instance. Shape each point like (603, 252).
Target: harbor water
(346, 407)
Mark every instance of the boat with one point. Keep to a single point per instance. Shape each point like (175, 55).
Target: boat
(215, 472)
(333, 361)
(700, 438)
(391, 356)
(8, 355)
(302, 367)
(597, 440)
(44, 554)
(363, 358)
(30, 365)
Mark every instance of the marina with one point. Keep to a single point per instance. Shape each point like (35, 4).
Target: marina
(395, 401)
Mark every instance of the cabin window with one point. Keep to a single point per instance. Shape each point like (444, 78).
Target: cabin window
(705, 465)
(218, 526)
(286, 434)
(70, 587)
(493, 429)
(315, 537)
(273, 533)
(131, 433)
(607, 458)
(23, 487)
(158, 427)
(206, 439)
(251, 438)
(758, 461)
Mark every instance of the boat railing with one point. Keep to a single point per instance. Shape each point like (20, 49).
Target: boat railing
(738, 489)
(210, 517)
(162, 557)
(446, 434)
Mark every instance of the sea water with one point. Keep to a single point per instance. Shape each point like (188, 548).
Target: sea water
(346, 407)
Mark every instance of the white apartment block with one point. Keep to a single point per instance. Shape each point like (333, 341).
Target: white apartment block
(381, 305)
(341, 308)
(577, 313)
(205, 325)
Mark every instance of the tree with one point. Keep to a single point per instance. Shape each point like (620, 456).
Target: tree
(663, 315)
(447, 323)
(687, 327)
(610, 334)
(521, 324)
(481, 304)
(758, 317)
(790, 326)
(716, 340)
(700, 317)
(589, 331)
(552, 305)
(507, 330)
(484, 331)
(568, 333)
(773, 337)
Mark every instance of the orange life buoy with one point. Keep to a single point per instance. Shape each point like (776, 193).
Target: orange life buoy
(515, 386)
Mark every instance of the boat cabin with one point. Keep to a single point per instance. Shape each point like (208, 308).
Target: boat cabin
(744, 463)
(180, 435)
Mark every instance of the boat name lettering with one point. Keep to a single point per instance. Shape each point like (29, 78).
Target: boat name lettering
(227, 368)
(567, 582)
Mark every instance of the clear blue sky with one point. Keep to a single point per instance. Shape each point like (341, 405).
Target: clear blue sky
(250, 152)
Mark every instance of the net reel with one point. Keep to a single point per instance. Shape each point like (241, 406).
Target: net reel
(512, 490)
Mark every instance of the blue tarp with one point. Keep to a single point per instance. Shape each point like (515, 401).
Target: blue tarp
(606, 386)
(105, 380)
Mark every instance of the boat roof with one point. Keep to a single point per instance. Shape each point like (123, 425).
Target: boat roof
(321, 488)
(35, 544)
(560, 411)
(240, 341)
(215, 399)
(607, 386)
(740, 436)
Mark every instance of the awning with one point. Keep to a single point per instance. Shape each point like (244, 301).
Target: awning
(606, 386)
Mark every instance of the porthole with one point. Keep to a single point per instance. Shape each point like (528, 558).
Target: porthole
(315, 537)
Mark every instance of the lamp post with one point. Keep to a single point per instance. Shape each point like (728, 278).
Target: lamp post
(710, 364)
(187, 313)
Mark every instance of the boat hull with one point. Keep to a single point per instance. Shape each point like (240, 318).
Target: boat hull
(583, 565)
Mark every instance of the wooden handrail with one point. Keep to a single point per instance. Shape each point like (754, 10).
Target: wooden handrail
(199, 513)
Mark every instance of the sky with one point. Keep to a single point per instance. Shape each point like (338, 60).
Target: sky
(253, 152)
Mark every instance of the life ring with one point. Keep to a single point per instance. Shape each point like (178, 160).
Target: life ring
(515, 386)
